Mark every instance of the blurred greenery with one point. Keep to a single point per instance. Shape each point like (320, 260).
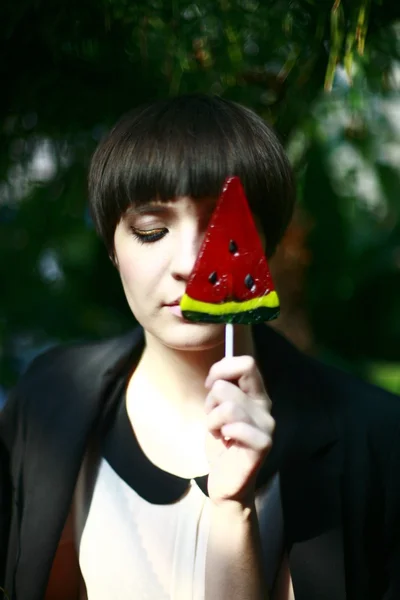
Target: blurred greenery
(325, 73)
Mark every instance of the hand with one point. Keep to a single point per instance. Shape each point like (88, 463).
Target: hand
(240, 429)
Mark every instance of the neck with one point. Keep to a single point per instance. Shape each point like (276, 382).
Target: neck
(179, 375)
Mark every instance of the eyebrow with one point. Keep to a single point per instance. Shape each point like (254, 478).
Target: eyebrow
(148, 207)
(154, 207)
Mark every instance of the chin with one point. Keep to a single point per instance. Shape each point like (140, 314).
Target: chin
(189, 336)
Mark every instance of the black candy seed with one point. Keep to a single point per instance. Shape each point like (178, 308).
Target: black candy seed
(249, 282)
(233, 247)
(213, 278)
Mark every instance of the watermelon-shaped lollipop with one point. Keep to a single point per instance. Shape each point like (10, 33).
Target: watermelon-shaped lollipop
(231, 281)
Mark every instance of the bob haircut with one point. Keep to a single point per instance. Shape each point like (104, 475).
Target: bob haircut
(187, 146)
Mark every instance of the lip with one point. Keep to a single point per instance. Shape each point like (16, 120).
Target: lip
(175, 302)
(175, 309)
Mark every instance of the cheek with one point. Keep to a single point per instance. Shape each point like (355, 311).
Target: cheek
(140, 271)
(141, 267)
(133, 273)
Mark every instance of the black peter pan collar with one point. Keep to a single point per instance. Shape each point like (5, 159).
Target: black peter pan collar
(124, 454)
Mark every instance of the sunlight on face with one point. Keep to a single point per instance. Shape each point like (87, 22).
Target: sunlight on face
(156, 246)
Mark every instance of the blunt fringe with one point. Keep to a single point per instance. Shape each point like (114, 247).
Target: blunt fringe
(187, 146)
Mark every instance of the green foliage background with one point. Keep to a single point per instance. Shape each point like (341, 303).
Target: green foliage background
(325, 73)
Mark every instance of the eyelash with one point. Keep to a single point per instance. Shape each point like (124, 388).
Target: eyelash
(149, 236)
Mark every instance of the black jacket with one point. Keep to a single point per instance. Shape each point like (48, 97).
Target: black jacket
(336, 446)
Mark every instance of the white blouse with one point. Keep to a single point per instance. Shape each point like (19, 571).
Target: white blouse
(141, 533)
(130, 548)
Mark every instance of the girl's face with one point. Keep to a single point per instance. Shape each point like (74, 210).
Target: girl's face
(156, 246)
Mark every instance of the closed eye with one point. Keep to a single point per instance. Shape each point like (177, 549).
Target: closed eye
(146, 236)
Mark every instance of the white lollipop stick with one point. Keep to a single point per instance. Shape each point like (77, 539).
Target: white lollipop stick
(228, 349)
(229, 339)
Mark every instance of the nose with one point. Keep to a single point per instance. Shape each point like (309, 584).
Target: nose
(186, 251)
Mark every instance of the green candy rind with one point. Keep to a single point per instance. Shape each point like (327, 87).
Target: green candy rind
(258, 315)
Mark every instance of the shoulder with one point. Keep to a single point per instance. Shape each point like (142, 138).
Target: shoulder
(350, 394)
(329, 384)
(70, 359)
(64, 372)
(359, 408)
(367, 416)
(355, 396)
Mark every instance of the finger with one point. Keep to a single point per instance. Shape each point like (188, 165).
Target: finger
(222, 391)
(227, 412)
(248, 436)
(242, 369)
(226, 393)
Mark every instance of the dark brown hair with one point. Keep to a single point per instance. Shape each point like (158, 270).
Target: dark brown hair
(187, 146)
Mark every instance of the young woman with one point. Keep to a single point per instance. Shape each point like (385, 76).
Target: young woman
(117, 479)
